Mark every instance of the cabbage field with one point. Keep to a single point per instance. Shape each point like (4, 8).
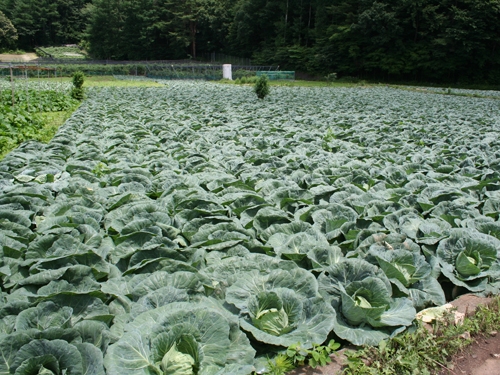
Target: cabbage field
(195, 229)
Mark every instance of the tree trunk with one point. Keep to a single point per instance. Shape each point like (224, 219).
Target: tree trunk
(192, 28)
(286, 22)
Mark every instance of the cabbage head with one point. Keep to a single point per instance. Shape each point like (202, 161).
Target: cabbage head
(282, 307)
(470, 259)
(411, 275)
(366, 312)
(182, 338)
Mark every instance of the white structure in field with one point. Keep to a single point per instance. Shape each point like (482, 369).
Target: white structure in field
(227, 72)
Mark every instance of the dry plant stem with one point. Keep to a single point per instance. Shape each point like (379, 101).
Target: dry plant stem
(444, 367)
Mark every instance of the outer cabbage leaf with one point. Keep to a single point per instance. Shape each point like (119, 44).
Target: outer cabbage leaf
(204, 331)
(44, 316)
(227, 271)
(67, 356)
(92, 360)
(296, 246)
(328, 219)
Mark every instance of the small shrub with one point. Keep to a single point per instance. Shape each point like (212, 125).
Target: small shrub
(261, 87)
(77, 92)
(331, 77)
(243, 73)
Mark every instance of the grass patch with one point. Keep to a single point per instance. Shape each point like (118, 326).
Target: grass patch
(423, 351)
(104, 81)
(110, 81)
(52, 121)
(302, 83)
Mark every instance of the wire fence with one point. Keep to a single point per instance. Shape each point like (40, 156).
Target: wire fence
(217, 57)
(162, 69)
(277, 75)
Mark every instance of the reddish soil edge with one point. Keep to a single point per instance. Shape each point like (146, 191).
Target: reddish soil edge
(482, 357)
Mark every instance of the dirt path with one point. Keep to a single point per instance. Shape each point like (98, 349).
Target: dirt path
(483, 356)
(480, 358)
(7, 57)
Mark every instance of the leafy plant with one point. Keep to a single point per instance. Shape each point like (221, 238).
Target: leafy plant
(297, 355)
(261, 87)
(282, 307)
(153, 206)
(318, 355)
(331, 77)
(279, 365)
(182, 338)
(78, 92)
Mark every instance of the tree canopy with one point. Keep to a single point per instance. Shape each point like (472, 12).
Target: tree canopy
(8, 33)
(418, 40)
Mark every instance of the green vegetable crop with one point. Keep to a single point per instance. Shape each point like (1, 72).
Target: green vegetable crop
(191, 229)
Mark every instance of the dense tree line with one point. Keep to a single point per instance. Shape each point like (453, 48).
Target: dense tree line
(46, 22)
(438, 40)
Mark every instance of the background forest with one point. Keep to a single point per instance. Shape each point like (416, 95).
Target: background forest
(414, 40)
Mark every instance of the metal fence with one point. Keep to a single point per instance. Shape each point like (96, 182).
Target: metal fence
(164, 69)
(277, 75)
(217, 57)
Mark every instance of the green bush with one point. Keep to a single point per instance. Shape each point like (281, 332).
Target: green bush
(243, 73)
(331, 77)
(261, 87)
(77, 92)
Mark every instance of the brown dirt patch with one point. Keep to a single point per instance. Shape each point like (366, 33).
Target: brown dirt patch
(333, 368)
(7, 57)
(482, 357)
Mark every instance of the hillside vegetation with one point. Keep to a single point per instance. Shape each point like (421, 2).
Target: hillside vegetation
(452, 41)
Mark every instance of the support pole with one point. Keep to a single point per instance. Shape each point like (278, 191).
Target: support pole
(12, 84)
(27, 89)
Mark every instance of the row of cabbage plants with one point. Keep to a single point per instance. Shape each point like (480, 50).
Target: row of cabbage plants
(194, 229)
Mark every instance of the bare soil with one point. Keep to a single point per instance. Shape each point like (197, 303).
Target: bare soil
(482, 357)
(7, 57)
